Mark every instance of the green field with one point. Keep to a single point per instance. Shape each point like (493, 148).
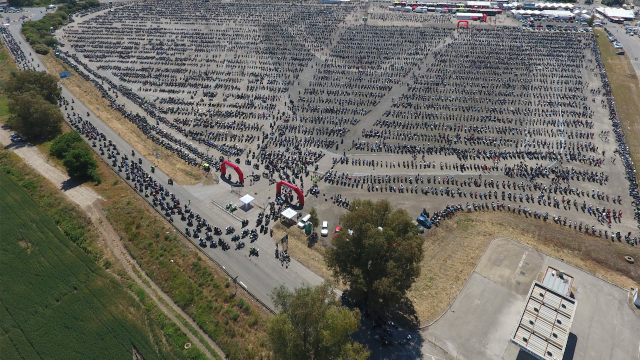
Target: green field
(55, 301)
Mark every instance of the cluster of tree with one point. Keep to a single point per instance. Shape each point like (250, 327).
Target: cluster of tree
(312, 325)
(38, 33)
(76, 156)
(377, 255)
(33, 102)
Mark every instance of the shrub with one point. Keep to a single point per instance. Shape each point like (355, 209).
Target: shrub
(34, 118)
(65, 143)
(80, 163)
(41, 49)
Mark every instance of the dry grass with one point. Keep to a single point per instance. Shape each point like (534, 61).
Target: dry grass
(626, 91)
(86, 92)
(453, 250)
(170, 261)
(312, 257)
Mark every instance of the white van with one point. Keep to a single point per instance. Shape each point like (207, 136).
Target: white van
(304, 220)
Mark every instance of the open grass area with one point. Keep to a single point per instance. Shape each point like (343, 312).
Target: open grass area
(69, 218)
(453, 250)
(626, 91)
(234, 321)
(7, 66)
(168, 162)
(56, 301)
(311, 255)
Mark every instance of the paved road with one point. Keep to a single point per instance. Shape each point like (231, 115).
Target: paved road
(631, 44)
(260, 275)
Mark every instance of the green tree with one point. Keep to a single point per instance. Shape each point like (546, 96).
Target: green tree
(379, 255)
(34, 118)
(41, 49)
(44, 84)
(80, 163)
(20, 3)
(591, 20)
(65, 143)
(311, 325)
(313, 220)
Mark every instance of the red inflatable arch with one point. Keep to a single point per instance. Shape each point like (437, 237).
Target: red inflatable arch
(295, 188)
(223, 170)
(464, 22)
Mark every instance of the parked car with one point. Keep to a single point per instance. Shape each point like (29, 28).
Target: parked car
(424, 222)
(17, 138)
(303, 221)
(621, 52)
(325, 228)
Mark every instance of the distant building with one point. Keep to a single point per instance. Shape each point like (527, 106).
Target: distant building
(615, 13)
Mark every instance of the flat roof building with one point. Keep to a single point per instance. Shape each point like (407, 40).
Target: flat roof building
(558, 281)
(545, 323)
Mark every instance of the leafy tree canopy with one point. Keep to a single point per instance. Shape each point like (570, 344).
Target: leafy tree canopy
(65, 143)
(314, 218)
(311, 325)
(379, 255)
(34, 118)
(80, 163)
(42, 83)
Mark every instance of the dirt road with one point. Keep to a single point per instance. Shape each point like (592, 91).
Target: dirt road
(90, 202)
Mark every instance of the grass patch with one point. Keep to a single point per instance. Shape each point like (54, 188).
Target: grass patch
(626, 91)
(452, 250)
(67, 216)
(55, 299)
(174, 264)
(49, 198)
(86, 92)
(7, 67)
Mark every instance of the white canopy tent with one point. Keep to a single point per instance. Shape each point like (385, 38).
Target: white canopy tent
(289, 213)
(246, 200)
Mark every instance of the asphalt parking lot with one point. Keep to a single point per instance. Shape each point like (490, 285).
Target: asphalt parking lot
(486, 312)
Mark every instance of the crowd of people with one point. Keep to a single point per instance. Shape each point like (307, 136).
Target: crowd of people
(490, 113)
(23, 62)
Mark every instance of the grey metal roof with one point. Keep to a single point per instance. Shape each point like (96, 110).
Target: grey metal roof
(558, 281)
(545, 323)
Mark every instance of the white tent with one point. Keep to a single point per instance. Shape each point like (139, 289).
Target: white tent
(289, 213)
(246, 200)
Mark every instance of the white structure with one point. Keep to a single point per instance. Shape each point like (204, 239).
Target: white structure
(289, 213)
(557, 14)
(479, 4)
(246, 200)
(616, 13)
(636, 300)
(468, 16)
(543, 329)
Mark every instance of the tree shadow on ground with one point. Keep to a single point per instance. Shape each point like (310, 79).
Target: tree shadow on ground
(375, 329)
(70, 184)
(312, 239)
